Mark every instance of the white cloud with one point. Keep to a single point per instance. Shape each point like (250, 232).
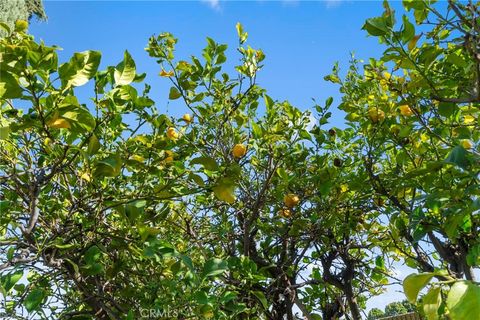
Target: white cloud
(214, 4)
(292, 3)
(332, 3)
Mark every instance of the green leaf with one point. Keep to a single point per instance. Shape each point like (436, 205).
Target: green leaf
(473, 256)
(81, 68)
(174, 93)
(228, 296)
(207, 162)
(92, 255)
(4, 204)
(91, 258)
(73, 264)
(80, 117)
(325, 187)
(376, 26)
(9, 280)
(9, 87)
(328, 102)
(125, 71)
(268, 101)
(145, 231)
(64, 246)
(143, 102)
(93, 145)
(431, 303)
(420, 15)
(257, 130)
(197, 179)
(10, 253)
(408, 31)
(261, 297)
(34, 299)
(201, 297)
(282, 174)
(213, 267)
(188, 262)
(134, 209)
(458, 156)
(5, 27)
(446, 109)
(225, 191)
(4, 131)
(463, 300)
(242, 35)
(93, 269)
(239, 28)
(108, 167)
(413, 4)
(414, 283)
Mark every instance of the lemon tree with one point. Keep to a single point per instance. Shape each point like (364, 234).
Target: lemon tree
(246, 207)
(93, 223)
(422, 155)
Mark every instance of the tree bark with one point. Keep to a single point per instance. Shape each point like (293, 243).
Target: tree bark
(352, 302)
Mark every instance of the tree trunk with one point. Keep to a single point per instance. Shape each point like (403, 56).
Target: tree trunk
(352, 302)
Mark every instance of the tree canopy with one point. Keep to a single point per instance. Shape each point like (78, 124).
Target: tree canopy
(247, 207)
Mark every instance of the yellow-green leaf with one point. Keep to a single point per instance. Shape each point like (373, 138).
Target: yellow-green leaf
(463, 300)
(93, 145)
(125, 71)
(174, 93)
(414, 283)
(431, 302)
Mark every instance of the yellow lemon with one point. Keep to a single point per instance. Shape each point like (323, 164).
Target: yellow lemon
(239, 150)
(468, 119)
(291, 200)
(169, 156)
(187, 118)
(172, 134)
(405, 110)
(59, 123)
(467, 144)
(376, 115)
(285, 213)
(21, 25)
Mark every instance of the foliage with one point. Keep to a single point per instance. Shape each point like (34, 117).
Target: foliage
(395, 308)
(392, 309)
(421, 157)
(247, 208)
(88, 197)
(375, 314)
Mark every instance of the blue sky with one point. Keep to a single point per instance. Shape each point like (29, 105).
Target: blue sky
(301, 40)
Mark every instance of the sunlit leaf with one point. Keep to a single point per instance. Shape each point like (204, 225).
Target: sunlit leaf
(463, 300)
(81, 68)
(125, 71)
(413, 283)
